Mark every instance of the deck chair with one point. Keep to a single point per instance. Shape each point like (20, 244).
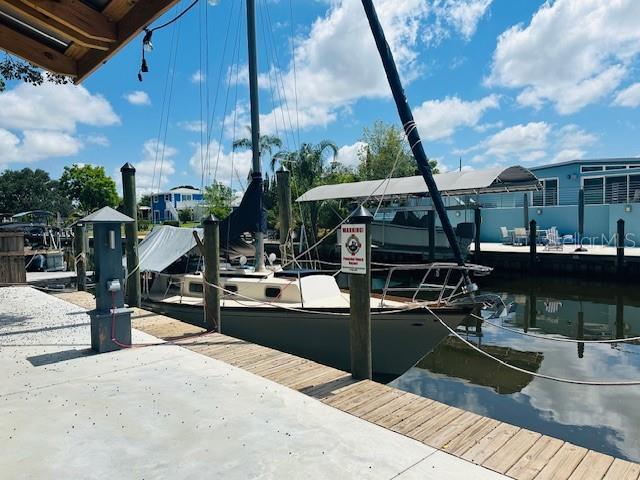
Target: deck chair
(507, 238)
(520, 236)
(554, 241)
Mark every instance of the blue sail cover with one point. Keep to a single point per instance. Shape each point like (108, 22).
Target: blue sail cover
(250, 216)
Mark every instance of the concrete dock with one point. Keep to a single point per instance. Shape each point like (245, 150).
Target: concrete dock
(166, 411)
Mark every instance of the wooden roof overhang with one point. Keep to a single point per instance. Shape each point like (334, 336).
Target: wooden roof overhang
(73, 37)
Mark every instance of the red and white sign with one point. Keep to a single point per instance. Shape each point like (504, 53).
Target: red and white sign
(353, 249)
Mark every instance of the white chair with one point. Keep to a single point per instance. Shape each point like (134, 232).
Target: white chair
(507, 238)
(554, 242)
(520, 236)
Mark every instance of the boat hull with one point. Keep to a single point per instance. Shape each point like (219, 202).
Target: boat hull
(399, 340)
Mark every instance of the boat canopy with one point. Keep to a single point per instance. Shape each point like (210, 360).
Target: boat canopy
(492, 180)
(164, 245)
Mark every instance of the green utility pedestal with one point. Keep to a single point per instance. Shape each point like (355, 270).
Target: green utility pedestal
(110, 321)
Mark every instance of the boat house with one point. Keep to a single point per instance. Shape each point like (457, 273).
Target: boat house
(167, 205)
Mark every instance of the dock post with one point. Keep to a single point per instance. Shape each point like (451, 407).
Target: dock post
(620, 249)
(477, 218)
(132, 280)
(525, 209)
(580, 221)
(79, 254)
(431, 222)
(283, 181)
(212, 273)
(580, 334)
(532, 245)
(360, 306)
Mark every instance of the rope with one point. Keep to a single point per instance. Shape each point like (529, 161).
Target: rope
(528, 372)
(174, 19)
(555, 339)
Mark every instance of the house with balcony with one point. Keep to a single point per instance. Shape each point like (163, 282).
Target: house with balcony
(166, 205)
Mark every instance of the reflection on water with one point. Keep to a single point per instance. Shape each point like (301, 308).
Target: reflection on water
(597, 417)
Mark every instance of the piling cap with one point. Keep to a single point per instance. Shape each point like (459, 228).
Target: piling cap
(127, 167)
(361, 215)
(106, 215)
(209, 219)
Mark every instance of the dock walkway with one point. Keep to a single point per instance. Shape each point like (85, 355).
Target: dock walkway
(507, 449)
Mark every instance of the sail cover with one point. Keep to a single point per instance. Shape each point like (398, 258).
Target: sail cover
(164, 245)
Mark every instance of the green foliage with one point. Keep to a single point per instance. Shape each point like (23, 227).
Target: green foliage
(185, 215)
(27, 189)
(88, 187)
(14, 69)
(144, 225)
(218, 197)
(385, 148)
(267, 144)
(145, 201)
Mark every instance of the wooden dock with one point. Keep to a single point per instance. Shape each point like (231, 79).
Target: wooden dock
(516, 452)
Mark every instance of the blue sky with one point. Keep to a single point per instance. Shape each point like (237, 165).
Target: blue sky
(493, 82)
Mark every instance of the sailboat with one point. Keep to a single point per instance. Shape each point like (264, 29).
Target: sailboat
(302, 312)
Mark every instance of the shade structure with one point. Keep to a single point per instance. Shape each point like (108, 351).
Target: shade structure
(493, 180)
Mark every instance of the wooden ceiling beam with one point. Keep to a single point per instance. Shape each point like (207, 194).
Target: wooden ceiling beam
(141, 14)
(41, 21)
(37, 53)
(77, 16)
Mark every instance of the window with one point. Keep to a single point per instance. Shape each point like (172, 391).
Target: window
(167, 215)
(548, 194)
(167, 197)
(272, 292)
(593, 191)
(634, 188)
(156, 215)
(616, 189)
(616, 167)
(186, 198)
(195, 288)
(596, 168)
(155, 199)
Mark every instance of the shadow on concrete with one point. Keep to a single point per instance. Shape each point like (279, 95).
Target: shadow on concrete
(43, 329)
(7, 319)
(55, 357)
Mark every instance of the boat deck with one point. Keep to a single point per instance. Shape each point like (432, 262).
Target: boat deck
(507, 449)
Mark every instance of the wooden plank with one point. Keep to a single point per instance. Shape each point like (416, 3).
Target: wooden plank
(392, 406)
(536, 458)
(327, 376)
(36, 53)
(269, 354)
(328, 389)
(490, 444)
(354, 395)
(419, 417)
(512, 451)
(623, 470)
(470, 437)
(429, 431)
(382, 400)
(314, 372)
(445, 430)
(77, 16)
(48, 24)
(261, 363)
(563, 463)
(301, 371)
(142, 14)
(593, 466)
(287, 364)
(415, 406)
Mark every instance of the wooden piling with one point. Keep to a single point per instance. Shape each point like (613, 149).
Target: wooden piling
(533, 229)
(132, 281)
(580, 221)
(12, 267)
(620, 249)
(80, 255)
(360, 307)
(212, 273)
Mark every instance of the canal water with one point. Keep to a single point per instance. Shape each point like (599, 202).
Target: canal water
(602, 418)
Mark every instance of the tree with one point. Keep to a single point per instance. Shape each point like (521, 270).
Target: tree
(219, 198)
(385, 147)
(185, 215)
(145, 200)
(15, 69)
(26, 189)
(88, 187)
(267, 144)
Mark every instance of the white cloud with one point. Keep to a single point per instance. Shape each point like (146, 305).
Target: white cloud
(570, 143)
(192, 125)
(629, 97)
(197, 77)
(348, 155)
(439, 119)
(573, 53)
(154, 169)
(54, 107)
(138, 97)
(230, 168)
(461, 15)
(98, 139)
(36, 145)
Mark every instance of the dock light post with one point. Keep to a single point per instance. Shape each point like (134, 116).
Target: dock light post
(580, 221)
(212, 273)
(356, 261)
(110, 321)
(79, 255)
(131, 235)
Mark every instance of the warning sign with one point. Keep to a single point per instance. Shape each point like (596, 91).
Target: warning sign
(353, 249)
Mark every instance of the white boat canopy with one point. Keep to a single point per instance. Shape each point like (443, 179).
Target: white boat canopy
(164, 245)
(492, 180)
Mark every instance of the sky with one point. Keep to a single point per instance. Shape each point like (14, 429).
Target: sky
(491, 82)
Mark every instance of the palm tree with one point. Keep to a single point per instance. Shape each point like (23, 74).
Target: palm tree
(267, 144)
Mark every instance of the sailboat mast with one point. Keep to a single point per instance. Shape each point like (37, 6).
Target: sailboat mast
(406, 116)
(255, 121)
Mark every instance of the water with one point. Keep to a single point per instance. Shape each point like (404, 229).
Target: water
(602, 418)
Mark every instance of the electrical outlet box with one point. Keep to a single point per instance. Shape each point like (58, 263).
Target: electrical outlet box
(113, 285)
